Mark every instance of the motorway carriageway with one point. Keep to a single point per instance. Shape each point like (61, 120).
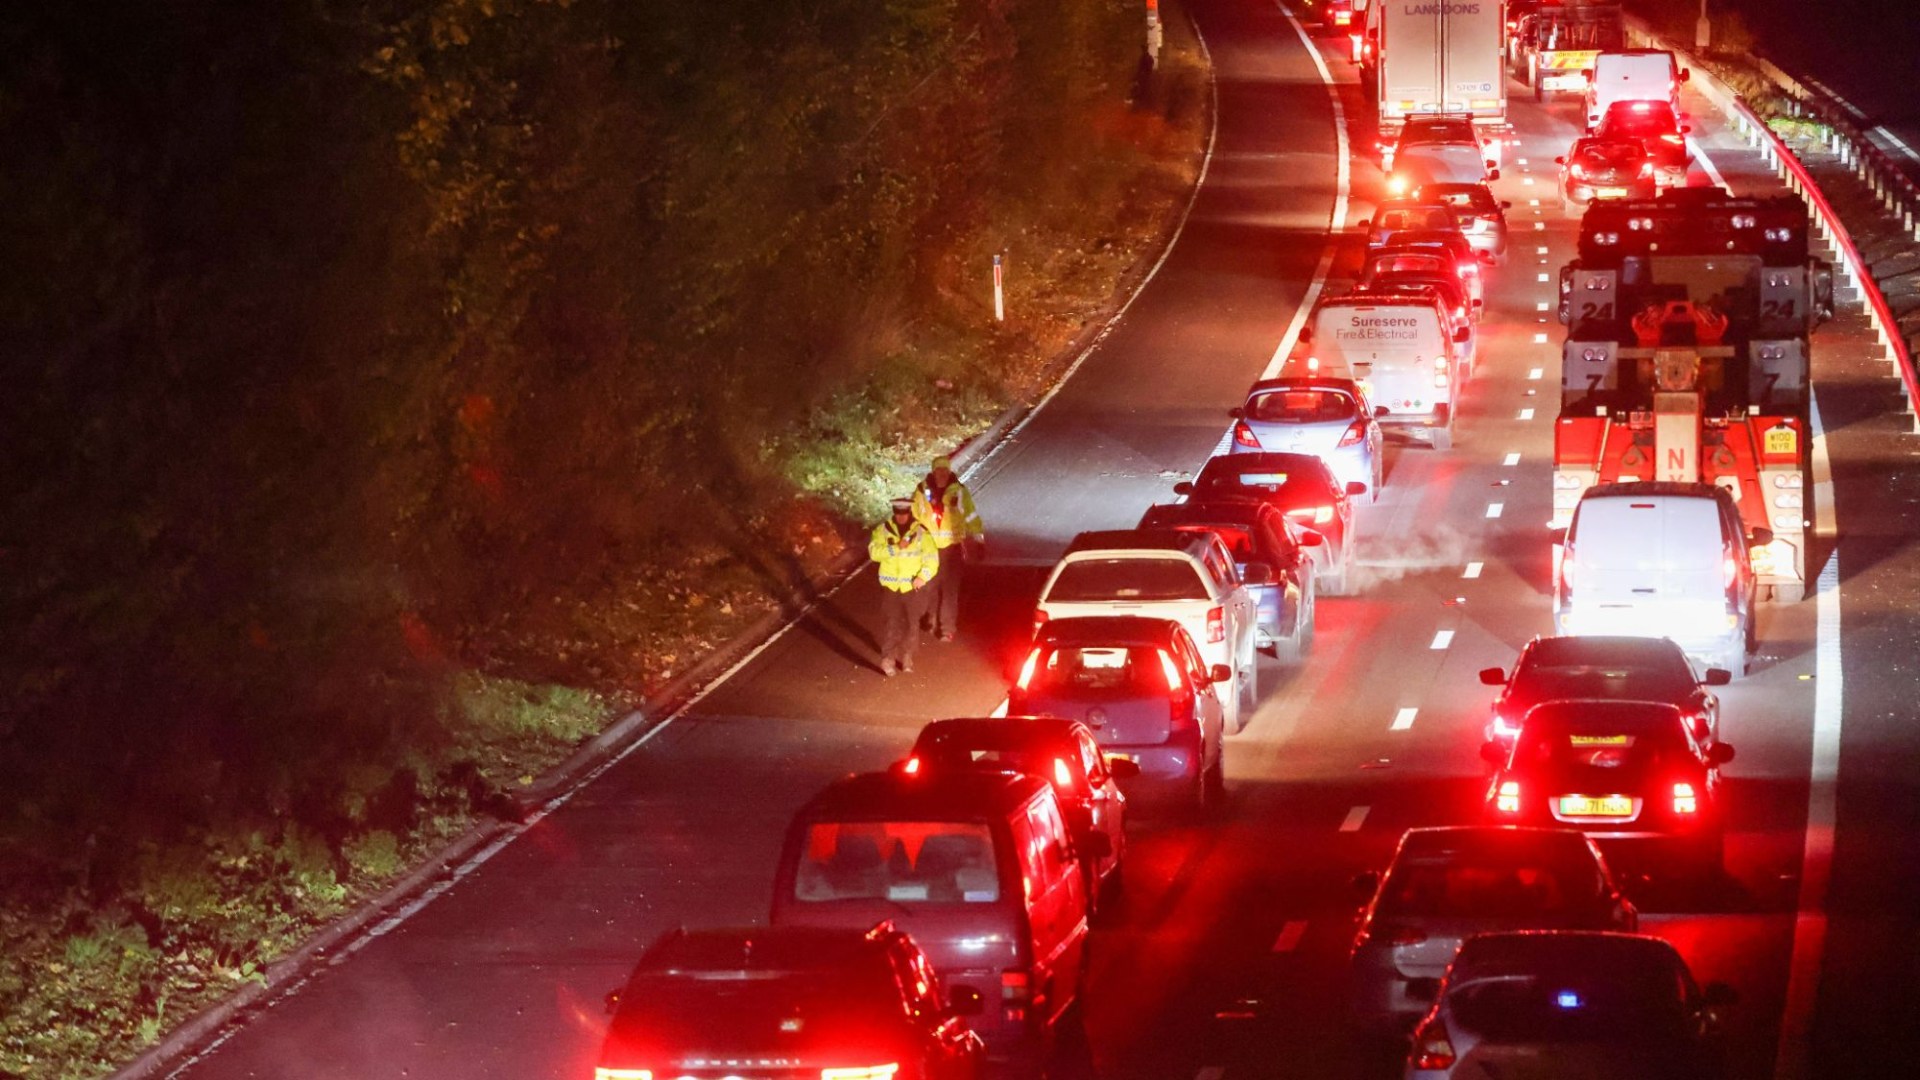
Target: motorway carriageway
(1226, 952)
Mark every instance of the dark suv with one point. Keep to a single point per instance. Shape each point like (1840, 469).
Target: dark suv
(1614, 668)
(788, 1003)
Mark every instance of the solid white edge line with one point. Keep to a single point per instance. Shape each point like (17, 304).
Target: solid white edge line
(1290, 935)
(1707, 166)
(1355, 818)
(1791, 1056)
(1495, 509)
(1403, 720)
(1338, 221)
(480, 858)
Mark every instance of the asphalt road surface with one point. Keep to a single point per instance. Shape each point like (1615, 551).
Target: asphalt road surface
(1223, 957)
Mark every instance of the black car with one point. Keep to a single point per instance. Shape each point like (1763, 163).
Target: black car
(1256, 532)
(1302, 486)
(1062, 752)
(1656, 127)
(1616, 770)
(708, 1004)
(1612, 668)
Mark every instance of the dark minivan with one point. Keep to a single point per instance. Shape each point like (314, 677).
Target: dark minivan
(979, 867)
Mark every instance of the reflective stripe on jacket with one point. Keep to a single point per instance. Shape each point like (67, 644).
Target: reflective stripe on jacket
(952, 518)
(906, 558)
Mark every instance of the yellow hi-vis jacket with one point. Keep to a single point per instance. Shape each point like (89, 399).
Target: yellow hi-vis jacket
(904, 559)
(950, 517)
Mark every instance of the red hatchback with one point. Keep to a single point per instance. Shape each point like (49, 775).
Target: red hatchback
(1303, 487)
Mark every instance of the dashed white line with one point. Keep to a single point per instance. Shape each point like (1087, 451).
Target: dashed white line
(1526, 414)
(1290, 936)
(1539, 339)
(1494, 509)
(1540, 251)
(1511, 459)
(1473, 570)
(1521, 161)
(1000, 710)
(1444, 638)
(1540, 225)
(1533, 202)
(1536, 374)
(1403, 720)
(1542, 306)
(1526, 180)
(1355, 818)
(1543, 279)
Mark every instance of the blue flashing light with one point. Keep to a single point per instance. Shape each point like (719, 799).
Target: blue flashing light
(1568, 999)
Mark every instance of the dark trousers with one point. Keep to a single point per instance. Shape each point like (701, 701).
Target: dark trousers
(945, 603)
(900, 614)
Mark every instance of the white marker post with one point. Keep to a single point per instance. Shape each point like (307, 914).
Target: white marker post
(999, 292)
(1155, 35)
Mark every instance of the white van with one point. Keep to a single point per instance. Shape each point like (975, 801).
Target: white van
(1401, 349)
(1660, 559)
(1632, 75)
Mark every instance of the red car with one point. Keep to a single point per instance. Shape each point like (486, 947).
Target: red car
(1303, 487)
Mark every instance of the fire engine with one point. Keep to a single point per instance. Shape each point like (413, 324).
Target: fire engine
(1686, 359)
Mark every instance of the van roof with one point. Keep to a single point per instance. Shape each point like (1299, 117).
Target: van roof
(1641, 489)
(965, 795)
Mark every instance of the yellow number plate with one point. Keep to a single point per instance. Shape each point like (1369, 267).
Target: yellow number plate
(1782, 440)
(1596, 806)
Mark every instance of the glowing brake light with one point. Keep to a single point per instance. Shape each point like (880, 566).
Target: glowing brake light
(1062, 776)
(865, 1072)
(1244, 436)
(1646, 168)
(1671, 137)
(1431, 1047)
(1440, 372)
(1731, 570)
(1026, 671)
(1216, 625)
(605, 1073)
(1504, 728)
(1355, 432)
(1172, 672)
(1318, 515)
(911, 767)
(1507, 799)
(1684, 800)
(1015, 992)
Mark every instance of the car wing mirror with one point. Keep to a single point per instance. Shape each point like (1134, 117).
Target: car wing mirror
(1379, 411)
(1720, 753)
(1364, 885)
(1184, 487)
(1686, 75)
(1717, 677)
(1356, 487)
(1237, 413)
(1257, 573)
(1462, 335)
(1492, 172)
(1557, 537)
(1561, 160)
(1122, 768)
(1311, 538)
(1493, 676)
(1219, 673)
(1762, 536)
(965, 1001)
(1493, 753)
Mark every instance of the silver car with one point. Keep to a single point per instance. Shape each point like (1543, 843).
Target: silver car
(1328, 418)
(1482, 218)
(1566, 1004)
(1446, 884)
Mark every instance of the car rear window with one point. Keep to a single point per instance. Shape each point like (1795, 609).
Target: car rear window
(1477, 199)
(1538, 1007)
(904, 862)
(1143, 580)
(1397, 220)
(1301, 407)
(1408, 264)
(1612, 155)
(1082, 672)
(1493, 884)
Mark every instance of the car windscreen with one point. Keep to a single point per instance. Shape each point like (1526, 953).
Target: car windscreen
(1142, 580)
(1540, 1007)
(904, 862)
(1301, 407)
(1519, 884)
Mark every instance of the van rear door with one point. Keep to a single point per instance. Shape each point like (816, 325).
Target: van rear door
(1655, 552)
(1390, 348)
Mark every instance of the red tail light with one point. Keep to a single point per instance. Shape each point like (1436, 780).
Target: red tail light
(1684, 799)
(911, 767)
(1578, 171)
(1507, 799)
(1062, 776)
(1172, 671)
(1243, 436)
(1027, 669)
(1355, 432)
(1671, 138)
(1431, 1047)
(1646, 168)
(1216, 625)
(1731, 570)
(1015, 992)
(1318, 515)
(1039, 620)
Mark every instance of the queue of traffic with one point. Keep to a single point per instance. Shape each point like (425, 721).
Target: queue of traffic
(931, 921)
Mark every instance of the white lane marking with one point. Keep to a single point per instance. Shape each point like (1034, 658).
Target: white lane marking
(1290, 936)
(1526, 414)
(1355, 817)
(1473, 570)
(1000, 710)
(1533, 202)
(1535, 374)
(1444, 638)
(1540, 251)
(1706, 164)
(1791, 1057)
(1539, 339)
(1526, 180)
(1343, 182)
(1540, 225)
(1542, 306)
(1543, 279)
(1493, 509)
(1520, 161)
(1403, 720)
(1511, 459)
